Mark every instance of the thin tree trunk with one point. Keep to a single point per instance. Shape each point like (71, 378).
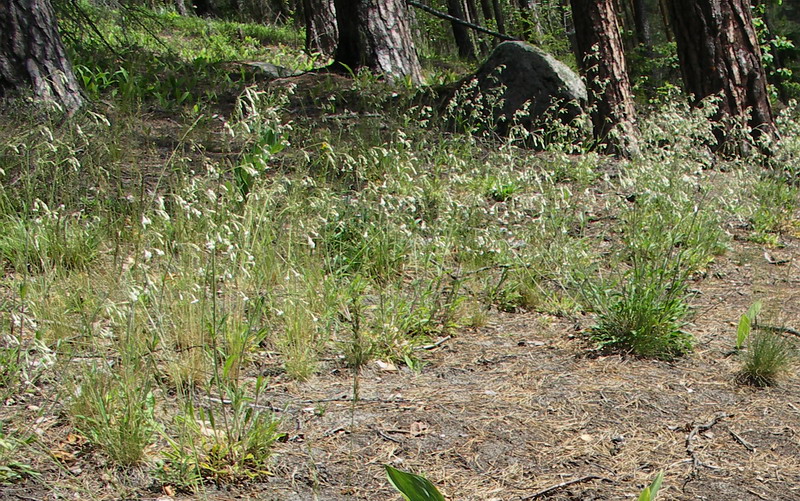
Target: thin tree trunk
(321, 29)
(32, 56)
(663, 9)
(460, 33)
(602, 59)
(376, 34)
(472, 11)
(532, 27)
(498, 16)
(641, 20)
(719, 55)
(486, 7)
(281, 10)
(180, 7)
(473, 16)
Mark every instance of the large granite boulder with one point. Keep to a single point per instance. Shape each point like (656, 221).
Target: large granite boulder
(514, 74)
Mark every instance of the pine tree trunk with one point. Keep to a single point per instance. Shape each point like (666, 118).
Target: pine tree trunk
(180, 7)
(641, 20)
(460, 32)
(376, 34)
(486, 7)
(719, 55)
(321, 29)
(472, 12)
(32, 56)
(498, 16)
(602, 60)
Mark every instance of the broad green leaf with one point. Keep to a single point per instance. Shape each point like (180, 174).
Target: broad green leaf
(650, 492)
(754, 310)
(743, 331)
(413, 487)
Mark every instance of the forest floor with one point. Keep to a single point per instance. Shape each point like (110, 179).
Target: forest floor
(499, 402)
(520, 409)
(523, 409)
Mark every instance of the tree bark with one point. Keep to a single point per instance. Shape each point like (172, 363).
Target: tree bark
(180, 7)
(498, 16)
(321, 29)
(472, 11)
(641, 20)
(461, 34)
(602, 60)
(486, 7)
(32, 56)
(719, 55)
(376, 34)
(663, 9)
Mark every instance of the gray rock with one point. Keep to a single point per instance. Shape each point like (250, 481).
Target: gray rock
(528, 75)
(272, 71)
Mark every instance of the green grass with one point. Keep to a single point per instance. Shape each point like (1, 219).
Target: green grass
(767, 357)
(12, 468)
(116, 413)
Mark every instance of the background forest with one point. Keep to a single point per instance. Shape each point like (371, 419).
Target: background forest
(241, 259)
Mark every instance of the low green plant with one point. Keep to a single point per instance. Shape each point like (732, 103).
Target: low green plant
(651, 491)
(360, 346)
(412, 487)
(11, 468)
(644, 311)
(51, 240)
(243, 448)
(115, 411)
(501, 191)
(228, 442)
(644, 315)
(10, 367)
(415, 364)
(746, 321)
(768, 356)
(777, 201)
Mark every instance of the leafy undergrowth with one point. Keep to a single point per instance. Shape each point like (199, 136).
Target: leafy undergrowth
(279, 296)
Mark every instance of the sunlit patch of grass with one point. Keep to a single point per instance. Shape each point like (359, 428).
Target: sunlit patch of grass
(767, 357)
(115, 411)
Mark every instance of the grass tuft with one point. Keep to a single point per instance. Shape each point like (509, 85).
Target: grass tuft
(767, 357)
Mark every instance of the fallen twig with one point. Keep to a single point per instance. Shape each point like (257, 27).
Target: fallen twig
(225, 401)
(454, 19)
(783, 330)
(747, 445)
(553, 488)
(436, 344)
(704, 427)
(388, 437)
(697, 429)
